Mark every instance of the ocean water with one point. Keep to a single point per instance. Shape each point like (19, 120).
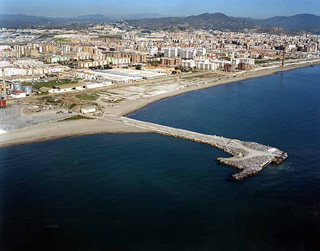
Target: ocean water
(151, 192)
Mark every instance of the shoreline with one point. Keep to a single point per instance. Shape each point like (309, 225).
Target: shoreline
(63, 129)
(248, 75)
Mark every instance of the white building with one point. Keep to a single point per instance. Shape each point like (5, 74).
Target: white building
(201, 51)
(89, 85)
(18, 94)
(28, 63)
(188, 53)
(29, 71)
(5, 64)
(153, 51)
(188, 63)
(92, 85)
(88, 109)
(201, 64)
(171, 52)
(221, 63)
(235, 61)
(249, 61)
(206, 65)
(103, 76)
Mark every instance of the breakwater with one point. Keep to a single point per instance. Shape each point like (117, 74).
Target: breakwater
(249, 157)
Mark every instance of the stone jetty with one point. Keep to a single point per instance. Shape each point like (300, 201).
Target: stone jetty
(249, 157)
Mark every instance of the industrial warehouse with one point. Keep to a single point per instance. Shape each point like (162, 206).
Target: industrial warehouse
(20, 79)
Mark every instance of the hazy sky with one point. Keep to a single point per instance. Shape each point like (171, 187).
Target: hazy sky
(244, 8)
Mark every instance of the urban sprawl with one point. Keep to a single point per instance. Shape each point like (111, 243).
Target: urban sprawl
(46, 62)
(108, 70)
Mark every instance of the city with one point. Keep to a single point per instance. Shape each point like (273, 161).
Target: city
(187, 125)
(38, 64)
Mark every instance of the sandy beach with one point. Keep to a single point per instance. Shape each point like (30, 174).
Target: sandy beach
(62, 129)
(132, 102)
(129, 107)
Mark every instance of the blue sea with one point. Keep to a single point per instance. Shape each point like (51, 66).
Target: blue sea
(152, 192)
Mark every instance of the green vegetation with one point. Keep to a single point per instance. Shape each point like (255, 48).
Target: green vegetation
(87, 96)
(41, 94)
(106, 67)
(47, 35)
(108, 93)
(47, 99)
(154, 63)
(72, 106)
(77, 117)
(61, 40)
(266, 61)
(183, 69)
(117, 36)
(50, 83)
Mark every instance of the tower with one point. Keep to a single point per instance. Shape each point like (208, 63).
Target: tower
(284, 54)
(4, 86)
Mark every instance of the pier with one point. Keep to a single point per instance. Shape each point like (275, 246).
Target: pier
(249, 157)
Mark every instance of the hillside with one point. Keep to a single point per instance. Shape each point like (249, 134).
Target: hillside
(24, 21)
(19, 20)
(305, 22)
(296, 23)
(301, 22)
(206, 21)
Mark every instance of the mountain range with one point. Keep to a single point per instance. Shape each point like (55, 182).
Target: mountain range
(296, 23)
(24, 21)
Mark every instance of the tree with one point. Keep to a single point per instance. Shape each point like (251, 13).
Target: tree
(107, 67)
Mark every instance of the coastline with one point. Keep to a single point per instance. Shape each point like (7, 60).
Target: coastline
(247, 75)
(63, 129)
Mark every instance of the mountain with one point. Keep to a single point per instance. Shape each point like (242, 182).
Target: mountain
(99, 18)
(304, 22)
(23, 21)
(20, 20)
(136, 16)
(206, 21)
(218, 21)
(296, 23)
(95, 18)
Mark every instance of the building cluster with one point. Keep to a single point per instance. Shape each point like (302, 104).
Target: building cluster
(118, 54)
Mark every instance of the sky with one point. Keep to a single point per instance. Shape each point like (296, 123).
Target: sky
(238, 8)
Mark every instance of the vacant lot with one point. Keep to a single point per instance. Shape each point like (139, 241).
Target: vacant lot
(86, 96)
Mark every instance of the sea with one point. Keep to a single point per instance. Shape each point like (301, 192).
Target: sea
(153, 192)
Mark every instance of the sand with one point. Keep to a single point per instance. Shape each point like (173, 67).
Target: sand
(130, 106)
(54, 130)
(62, 129)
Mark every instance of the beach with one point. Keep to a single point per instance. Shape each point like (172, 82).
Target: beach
(62, 129)
(130, 107)
(59, 129)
